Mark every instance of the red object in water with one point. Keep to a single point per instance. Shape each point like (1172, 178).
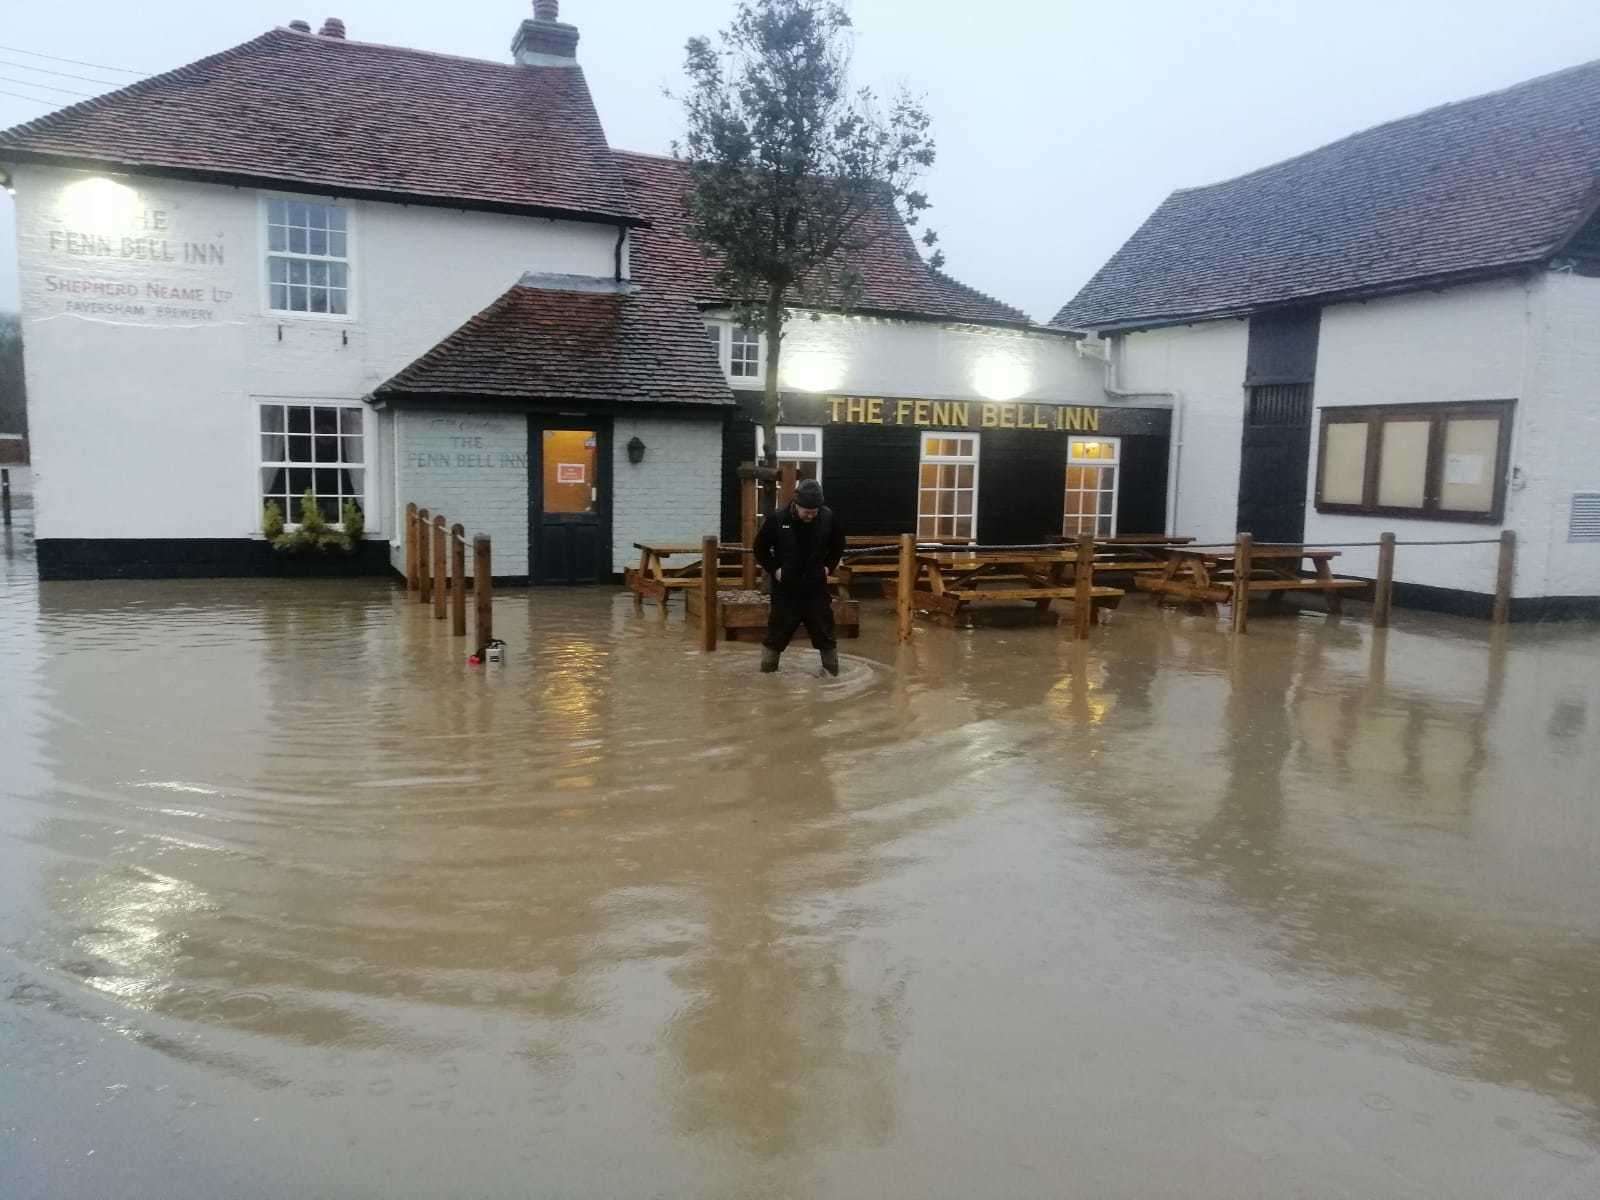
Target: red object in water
(473, 660)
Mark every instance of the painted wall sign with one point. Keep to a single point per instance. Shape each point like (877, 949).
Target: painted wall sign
(112, 253)
(886, 411)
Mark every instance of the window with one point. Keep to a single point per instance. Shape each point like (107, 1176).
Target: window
(1091, 506)
(308, 258)
(315, 446)
(797, 444)
(739, 349)
(1445, 462)
(744, 355)
(947, 486)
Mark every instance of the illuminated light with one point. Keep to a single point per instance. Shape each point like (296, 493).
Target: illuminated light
(100, 205)
(813, 372)
(999, 378)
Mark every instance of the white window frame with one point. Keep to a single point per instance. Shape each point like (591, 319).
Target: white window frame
(266, 254)
(1114, 465)
(799, 456)
(723, 330)
(367, 466)
(958, 460)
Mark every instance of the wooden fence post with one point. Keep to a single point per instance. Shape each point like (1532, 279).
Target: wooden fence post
(1383, 590)
(1505, 576)
(708, 593)
(441, 582)
(483, 589)
(411, 547)
(905, 585)
(1241, 582)
(787, 482)
(748, 503)
(458, 581)
(1083, 589)
(424, 556)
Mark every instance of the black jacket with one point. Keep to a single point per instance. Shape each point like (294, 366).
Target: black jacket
(804, 551)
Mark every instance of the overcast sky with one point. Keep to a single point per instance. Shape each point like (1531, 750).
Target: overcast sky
(1061, 123)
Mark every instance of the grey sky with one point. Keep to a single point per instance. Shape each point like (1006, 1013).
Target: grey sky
(1061, 123)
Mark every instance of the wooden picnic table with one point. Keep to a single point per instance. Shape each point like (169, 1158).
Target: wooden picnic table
(949, 583)
(1208, 576)
(656, 579)
(882, 564)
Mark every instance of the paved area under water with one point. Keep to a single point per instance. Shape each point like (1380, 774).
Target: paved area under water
(294, 902)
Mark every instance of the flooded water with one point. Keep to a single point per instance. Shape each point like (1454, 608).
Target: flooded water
(295, 902)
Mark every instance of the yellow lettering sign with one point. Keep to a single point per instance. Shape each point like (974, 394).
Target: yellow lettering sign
(902, 412)
(921, 413)
(835, 403)
(1091, 419)
(991, 416)
(1008, 416)
(855, 410)
(875, 412)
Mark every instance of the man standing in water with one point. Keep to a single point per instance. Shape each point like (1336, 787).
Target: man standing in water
(799, 545)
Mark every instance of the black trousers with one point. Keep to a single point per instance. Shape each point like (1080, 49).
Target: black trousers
(812, 608)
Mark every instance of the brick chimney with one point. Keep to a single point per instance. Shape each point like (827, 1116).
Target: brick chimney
(545, 41)
(300, 26)
(333, 27)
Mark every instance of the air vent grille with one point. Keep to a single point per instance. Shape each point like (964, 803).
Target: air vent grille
(1584, 524)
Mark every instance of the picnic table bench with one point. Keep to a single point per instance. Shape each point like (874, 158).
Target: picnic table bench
(1208, 576)
(951, 584)
(656, 579)
(882, 565)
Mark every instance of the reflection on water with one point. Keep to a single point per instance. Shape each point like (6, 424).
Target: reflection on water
(995, 913)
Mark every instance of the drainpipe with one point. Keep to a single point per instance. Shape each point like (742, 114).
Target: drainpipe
(1109, 355)
(622, 240)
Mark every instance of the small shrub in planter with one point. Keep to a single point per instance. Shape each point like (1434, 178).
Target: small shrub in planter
(315, 535)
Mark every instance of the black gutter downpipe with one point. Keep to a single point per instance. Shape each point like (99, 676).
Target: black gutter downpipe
(622, 236)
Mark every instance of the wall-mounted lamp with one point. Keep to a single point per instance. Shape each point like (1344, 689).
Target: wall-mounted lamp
(6, 185)
(635, 450)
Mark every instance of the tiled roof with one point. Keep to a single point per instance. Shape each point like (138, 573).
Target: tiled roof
(537, 343)
(1471, 189)
(351, 117)
(895, 279)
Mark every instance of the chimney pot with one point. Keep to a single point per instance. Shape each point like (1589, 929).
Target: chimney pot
(546, 10)
(300, 26)
(333, 27)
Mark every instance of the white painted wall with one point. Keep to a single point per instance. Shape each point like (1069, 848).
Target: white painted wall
(877, 356)
(140, 408)
(1559, 448)
(473, 469)
(1205, 365)
(1468, 343)
(674, 494)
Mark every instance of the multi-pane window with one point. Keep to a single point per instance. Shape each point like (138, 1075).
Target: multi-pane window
(1091, 506)
(312, 446)
(947, 486)
(738, 349)
(1440, 461)
(308, 258)
(744, 353)
(797, 444)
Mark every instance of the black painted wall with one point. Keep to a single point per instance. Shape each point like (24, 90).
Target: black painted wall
(869, 473)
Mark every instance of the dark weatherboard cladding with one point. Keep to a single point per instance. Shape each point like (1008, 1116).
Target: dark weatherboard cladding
(870, 467)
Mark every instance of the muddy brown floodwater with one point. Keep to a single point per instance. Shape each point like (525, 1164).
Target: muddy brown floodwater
(295, 903)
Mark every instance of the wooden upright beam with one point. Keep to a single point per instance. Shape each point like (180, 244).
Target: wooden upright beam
(411, 547)
(708, 593)
(1241, 582)
(441, 582)
(424, 556)
(1083, 589)
(1383, 590)
(458, 581)
(905, 584)
(788, 480)
(1505, 576)
(483, 588)
(749, 516)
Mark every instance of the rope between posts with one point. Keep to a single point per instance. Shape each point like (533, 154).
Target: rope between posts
(947, 548)
(1329, 545)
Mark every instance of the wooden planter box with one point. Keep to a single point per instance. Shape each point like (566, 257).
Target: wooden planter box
(743, 615)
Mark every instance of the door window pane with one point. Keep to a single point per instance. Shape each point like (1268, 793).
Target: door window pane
(1403, 464)
(1091, 487)
(1344, 463)
(947, 501)
(1471, 456)
(570, 459)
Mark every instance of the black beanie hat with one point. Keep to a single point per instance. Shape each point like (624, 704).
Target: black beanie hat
(808, 494)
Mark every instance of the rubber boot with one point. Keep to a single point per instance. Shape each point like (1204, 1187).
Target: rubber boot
(830, 661)
(769, 660)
